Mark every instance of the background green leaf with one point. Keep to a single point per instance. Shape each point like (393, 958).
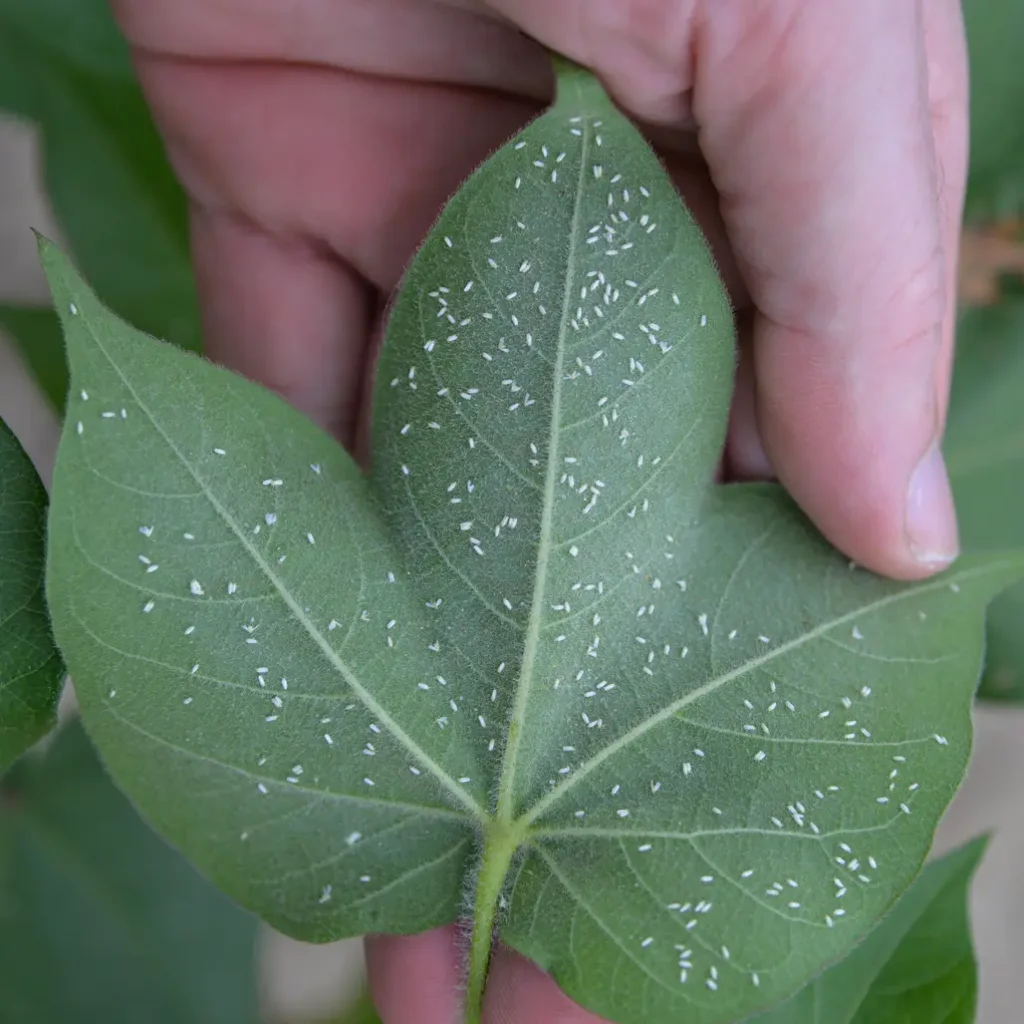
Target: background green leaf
(916, 967)
(99, 919)
(996, 178)
(64, 66)
(80, 33)
(985, 450)
(36, 330)
(31, 671)
(360, 1012)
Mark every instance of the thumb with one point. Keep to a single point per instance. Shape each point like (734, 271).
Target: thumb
(825, 158)
(816, 123)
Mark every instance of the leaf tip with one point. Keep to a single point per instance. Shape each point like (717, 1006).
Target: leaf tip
(45, 246)
(73, 298)
(574, 82)
(56, 267)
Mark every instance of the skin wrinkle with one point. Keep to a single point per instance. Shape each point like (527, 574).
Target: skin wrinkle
(480, 47)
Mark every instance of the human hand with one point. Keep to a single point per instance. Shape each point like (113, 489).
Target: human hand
(318, 139)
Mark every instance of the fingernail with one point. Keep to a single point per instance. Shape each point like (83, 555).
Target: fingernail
(930, 515)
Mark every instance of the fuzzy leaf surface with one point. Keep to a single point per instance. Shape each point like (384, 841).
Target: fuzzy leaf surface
(31, 671)
(985, 451)
(685, 709)
(713, 717)
(916, 967)
(222, 588)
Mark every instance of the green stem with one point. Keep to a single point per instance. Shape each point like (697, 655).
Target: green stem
(500, 844)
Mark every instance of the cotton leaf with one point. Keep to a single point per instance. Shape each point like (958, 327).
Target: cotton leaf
(678, 751)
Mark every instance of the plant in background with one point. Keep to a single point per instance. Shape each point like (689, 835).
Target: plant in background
(31, 672)
(86, 886)
(536, 672)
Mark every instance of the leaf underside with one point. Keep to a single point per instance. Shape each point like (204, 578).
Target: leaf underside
(985, 452)
(722, 750)
(31, 672)
(916, 967)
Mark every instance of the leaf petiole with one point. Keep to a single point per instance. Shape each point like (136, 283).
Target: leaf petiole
(500, 844)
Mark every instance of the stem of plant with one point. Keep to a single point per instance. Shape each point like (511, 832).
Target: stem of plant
(501, 840)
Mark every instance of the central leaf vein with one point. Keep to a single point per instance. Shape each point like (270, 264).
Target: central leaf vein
(544, 544)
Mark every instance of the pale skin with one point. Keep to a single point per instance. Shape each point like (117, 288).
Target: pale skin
(821, 145)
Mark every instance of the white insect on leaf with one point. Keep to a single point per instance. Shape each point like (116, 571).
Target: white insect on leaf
(536, 654)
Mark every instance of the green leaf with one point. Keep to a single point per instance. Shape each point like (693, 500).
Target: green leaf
(539, 653)
(916, 967)
(985, 451)
(40, 340)
(203, 571)
(101, 921)
(81, 33)
(996, 178)
(31, 672)
(105, 170)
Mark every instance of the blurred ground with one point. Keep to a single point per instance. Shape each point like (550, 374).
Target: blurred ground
(303, 983)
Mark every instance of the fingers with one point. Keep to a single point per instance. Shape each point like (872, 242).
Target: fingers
(306, 183)
(284, 313)
(416, 977)
(816, 121)
(434, 40)
(518, 992)
(824, 155)
(641, 49)
(745, 457)
(947, 76)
